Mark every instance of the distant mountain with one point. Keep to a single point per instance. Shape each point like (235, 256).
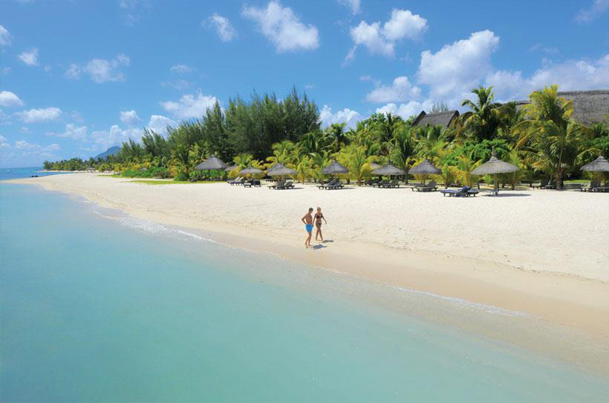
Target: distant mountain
(109, 151)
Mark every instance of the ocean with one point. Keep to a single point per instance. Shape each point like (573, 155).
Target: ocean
(96, 306)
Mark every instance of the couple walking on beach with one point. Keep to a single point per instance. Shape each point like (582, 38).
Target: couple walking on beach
(308, 222)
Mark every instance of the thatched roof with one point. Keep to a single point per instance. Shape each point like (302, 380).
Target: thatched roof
(388, 170)
(213, 163)
(280, 170)
(424, 168)
(334, 169)
(598, 165)
(495, 166)
(250, 171)
(444, 119)
(588, 106)
(373, 166)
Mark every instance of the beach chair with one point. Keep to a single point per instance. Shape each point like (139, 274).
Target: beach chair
(395, 183)
(336, 185)
(592, 186)
(456, 192)
(543, 184)
(251, 183)
(325, 185)
(236, 181)
(382, 183)
(280, 183)
(289, 185)
(471, 192)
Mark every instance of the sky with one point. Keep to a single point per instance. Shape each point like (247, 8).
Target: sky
(77, 77)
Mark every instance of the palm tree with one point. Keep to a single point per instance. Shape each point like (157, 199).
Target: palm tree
(485, 116)
(550, 131)
(355, 159)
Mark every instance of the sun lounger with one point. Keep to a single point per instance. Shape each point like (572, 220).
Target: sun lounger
(542, 185)
(430, 187)
(463, 192)
(252, 183)
(337, 185)
(325, 185)
(381, 184)
(236, 181)
(395, 183)
(279, 184)
(592, 186)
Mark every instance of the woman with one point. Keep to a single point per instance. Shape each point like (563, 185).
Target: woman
(318, 217)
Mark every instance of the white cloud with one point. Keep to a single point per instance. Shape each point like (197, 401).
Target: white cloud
(4, 142)
(404, 24)
(72, 132)
(100, 70)
(348, 116)
(453, 71)
(225, 30)
(131, 11)
(39, 115)
(180, 69)
(6, 70)
(283, 28)
(177, 84)
(29, 57)
(5, 37)
(598, 8)
(400, 90)
(159, 123)
(103, 139)
(189, 106)
(569, 75)
(9, 100)
(130, 118)
(35, 149)
(354, 5)
(381, 40)
(406, 110)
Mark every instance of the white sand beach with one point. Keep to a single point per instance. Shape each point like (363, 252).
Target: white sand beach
(537, 251)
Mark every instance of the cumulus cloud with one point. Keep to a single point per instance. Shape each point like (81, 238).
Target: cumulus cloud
(29, 57)
(354, 5)
(455, 69)
(159, 123)
(225, 30)
(72, 132)
(33, 148)
(39, 115)
(130, 118)
(9, 99)
(381, 39)
(348, 116)
(100, 70)
(282, 27)
(103, 139)
(569, 75)
(4, 142)
(597, 9)
(5, 36)
(400, 90)
(180, 69)
(189, 106)
(406, 110)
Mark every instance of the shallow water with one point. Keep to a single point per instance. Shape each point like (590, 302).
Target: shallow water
(100, 307)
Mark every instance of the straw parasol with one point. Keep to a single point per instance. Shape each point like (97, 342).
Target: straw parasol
(373, 166)
(280, 170)
(424, 168)
(213, 163)
(250, 171)
(388, 170)
(495, 167)
(598, 165)
(334, 169)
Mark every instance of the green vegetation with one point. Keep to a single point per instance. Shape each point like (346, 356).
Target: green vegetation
(541, 138)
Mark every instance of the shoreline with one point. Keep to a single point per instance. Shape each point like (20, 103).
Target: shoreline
(558, 300)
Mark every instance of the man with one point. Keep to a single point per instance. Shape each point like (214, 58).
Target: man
(308, 222)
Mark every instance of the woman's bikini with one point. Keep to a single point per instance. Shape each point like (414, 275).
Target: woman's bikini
(318, 217)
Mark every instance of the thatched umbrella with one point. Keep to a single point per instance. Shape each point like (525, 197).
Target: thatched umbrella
(250, 171)
(424, 168)
(373, 166)
(334, 169)
(495, 167)
(280, 170)
(388, 170)
(213, 163)
(598, 165)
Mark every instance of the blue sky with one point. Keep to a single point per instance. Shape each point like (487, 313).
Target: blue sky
(79, 76)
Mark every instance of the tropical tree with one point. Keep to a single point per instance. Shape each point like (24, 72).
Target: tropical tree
(485, 116)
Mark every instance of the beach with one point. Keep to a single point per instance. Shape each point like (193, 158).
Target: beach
(540, 252)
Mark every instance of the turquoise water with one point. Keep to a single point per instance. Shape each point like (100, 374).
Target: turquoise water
(98, 307)
(16, 173)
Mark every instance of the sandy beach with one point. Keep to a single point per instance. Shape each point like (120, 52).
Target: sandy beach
(541, 252)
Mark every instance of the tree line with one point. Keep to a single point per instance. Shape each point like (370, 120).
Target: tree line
(541, 138)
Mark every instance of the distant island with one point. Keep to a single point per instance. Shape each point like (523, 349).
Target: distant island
(110, 151)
